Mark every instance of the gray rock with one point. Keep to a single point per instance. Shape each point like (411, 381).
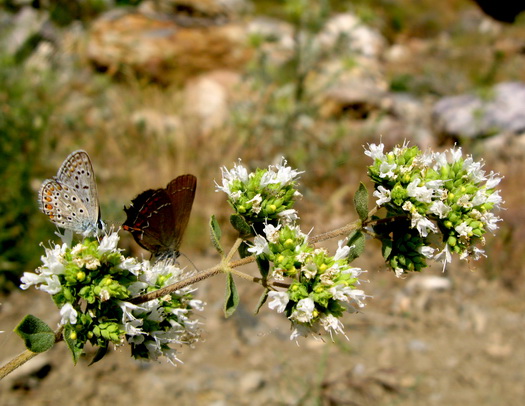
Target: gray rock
(471, 116)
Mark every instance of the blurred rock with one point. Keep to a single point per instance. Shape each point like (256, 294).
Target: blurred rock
(207, 99)
(471, 116)
(154, 122)
(351, 34)
(277, 38)
(160, 48)
(418, 291)
(251, 381)
(188, 10)
(355, 100)
(27, 23)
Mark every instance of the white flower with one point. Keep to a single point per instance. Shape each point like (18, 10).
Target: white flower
(256, 203)
(341, 292)
(355, 272)
(332, 324)
(455, 153)
(495, 198)
(309, 270)
(131, 264)
(288, 216)
(342, 249)
(444, 256)
(420, 193)
(422, 224)
(108, 243)
(383, 195)
(52, 285)
(474, 170)
(493, 180)
(300, 330)
(375, 151)
(272, 233)
(426, 251)
(69, 314)
(463, 230)
(30, 279)
(440, 160)
(464, 201)
(238, 172)
(303, 312)
(260, 246)
(387, 170)
(440, 209)
(278, 301)
(285, 174)
(490, 221)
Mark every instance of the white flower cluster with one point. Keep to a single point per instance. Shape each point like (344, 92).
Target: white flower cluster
(264, 194)
(441, 193)
(98, 274)
(323, 287)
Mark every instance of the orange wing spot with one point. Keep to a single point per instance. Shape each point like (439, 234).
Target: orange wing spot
(48, 199)
(128, 228)
(49, 207)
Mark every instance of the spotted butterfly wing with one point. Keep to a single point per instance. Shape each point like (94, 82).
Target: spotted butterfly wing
(70, 199)
(157, 218)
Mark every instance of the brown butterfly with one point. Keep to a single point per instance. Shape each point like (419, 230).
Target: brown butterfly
(157, 218)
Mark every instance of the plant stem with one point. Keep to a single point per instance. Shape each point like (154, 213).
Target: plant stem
(227, 266)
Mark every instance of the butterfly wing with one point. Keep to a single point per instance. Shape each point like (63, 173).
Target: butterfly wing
(64, 207)
(181, 191)
(77, 173)
(150, 220)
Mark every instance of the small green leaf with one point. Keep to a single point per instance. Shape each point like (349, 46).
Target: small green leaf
(37, 335)
(386, 248)
(243, 250)
(216, 234)
(232, 296)
(356, 242)
(69, 333)
(264, 266)
(262, 300)
(361, 202)
(239, 223)
(101, 352)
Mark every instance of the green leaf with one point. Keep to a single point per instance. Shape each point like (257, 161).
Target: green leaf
(101, 352)
(37, 335)
(356, 242)
(386, 248)
(243, 250)
(361, 202)
(232, 296)
(239, 223)
(216, 234)
(262, 300)
(264, 266)
(72, 343)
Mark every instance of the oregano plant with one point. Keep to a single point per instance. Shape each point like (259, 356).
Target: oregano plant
(429, 206)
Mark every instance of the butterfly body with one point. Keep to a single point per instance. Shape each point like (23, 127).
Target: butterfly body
(157, 218)
(70, 199)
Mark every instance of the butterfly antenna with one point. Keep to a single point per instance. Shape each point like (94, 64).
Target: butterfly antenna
(189, 260)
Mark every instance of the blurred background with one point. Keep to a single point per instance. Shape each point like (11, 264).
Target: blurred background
(154, 89)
